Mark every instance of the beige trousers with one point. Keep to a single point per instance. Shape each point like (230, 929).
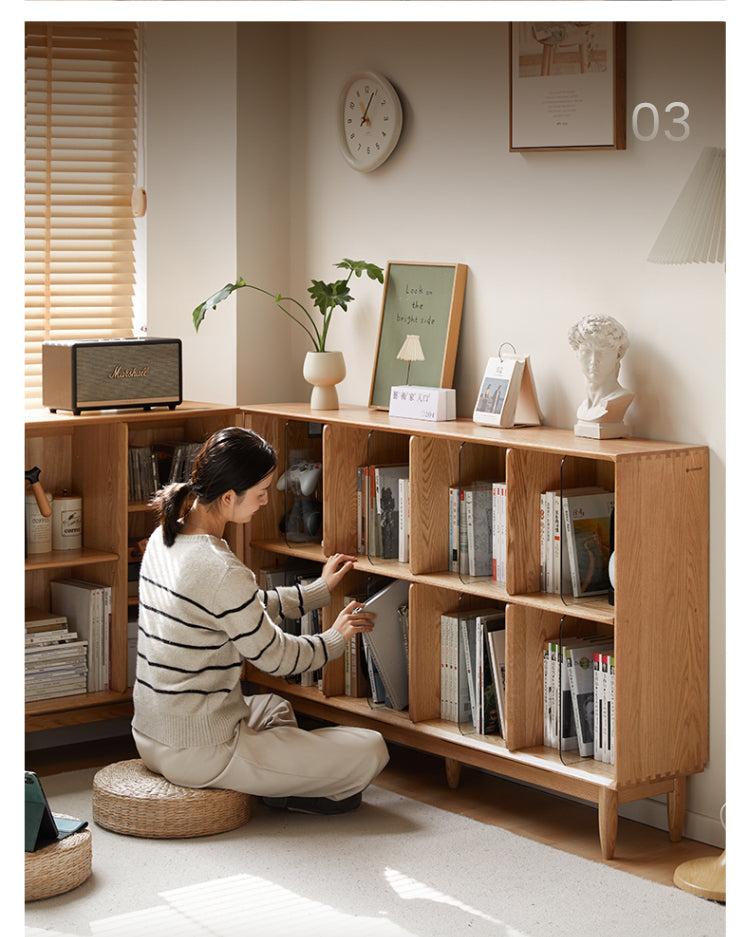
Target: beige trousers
(270, 756)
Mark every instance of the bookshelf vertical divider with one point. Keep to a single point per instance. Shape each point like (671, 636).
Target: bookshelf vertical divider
(659, 622)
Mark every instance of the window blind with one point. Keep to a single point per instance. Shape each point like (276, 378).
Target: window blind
(81, 150)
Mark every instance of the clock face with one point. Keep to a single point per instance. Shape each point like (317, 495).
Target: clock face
(369, 120)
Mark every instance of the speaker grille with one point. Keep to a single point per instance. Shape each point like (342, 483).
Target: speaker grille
(127, 372)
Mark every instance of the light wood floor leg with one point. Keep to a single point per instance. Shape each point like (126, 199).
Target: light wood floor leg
(607, 821)
(676, 809)
(452, 772)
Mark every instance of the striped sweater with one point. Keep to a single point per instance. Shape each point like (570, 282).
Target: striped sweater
(200, 613)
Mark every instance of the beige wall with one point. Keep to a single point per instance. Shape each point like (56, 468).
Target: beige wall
(548, 237)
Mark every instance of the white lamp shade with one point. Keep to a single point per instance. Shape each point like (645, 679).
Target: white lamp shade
(411, 350)
(695, 231)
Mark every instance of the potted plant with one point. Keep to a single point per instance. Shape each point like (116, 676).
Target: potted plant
(324, 369)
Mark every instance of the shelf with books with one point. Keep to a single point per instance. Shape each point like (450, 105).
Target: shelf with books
(658, 621)
(88, 454)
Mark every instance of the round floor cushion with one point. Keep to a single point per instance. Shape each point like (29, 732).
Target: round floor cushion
(59, 867)
(130, 799)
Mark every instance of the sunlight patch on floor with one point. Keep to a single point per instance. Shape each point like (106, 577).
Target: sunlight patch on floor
(410, 889)
(228, 907)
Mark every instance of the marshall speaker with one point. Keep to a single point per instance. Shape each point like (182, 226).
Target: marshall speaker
(112, 373)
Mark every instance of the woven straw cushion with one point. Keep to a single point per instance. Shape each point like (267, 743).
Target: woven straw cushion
(58, 867)
(128, 798)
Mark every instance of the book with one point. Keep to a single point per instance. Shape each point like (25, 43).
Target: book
(478, 506)
(499, 531)
(39, 620)
(610, 708)
(487, 623)
(455, 701)
(496, 645)
(453, 529)
(385, 642)
(599, 707)
(87, 606)
(579, 665)
(587, 525)
(387, 479)
(403, 520)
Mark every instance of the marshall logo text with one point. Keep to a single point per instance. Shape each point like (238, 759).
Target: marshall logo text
(120, 372)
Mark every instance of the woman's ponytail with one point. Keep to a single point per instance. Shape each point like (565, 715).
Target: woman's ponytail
(169, 503)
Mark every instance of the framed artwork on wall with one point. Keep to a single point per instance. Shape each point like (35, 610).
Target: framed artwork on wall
(567, 86)
(425, 301)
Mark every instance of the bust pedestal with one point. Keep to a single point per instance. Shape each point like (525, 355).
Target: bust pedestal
(601, 430)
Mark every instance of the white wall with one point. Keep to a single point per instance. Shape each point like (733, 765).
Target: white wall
(191, 159)
(548, 237)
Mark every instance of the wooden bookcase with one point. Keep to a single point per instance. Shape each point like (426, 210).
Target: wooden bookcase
(659, 620)
(88, 454)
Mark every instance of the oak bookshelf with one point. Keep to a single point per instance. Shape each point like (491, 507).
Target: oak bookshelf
(659, 620)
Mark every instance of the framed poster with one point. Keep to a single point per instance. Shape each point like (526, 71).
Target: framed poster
(425, 300)
(567, 86)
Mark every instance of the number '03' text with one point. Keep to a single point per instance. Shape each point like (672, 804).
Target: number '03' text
(679, 121)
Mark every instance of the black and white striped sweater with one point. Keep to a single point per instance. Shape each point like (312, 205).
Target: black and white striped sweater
(200, 613)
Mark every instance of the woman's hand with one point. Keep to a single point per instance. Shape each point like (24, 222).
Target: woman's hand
(353, 620)
(335, 568)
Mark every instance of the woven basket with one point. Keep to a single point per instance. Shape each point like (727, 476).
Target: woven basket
(130, 799)
(59, 867)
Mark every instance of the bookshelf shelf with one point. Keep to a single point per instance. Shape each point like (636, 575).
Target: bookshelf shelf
(659, 622)
(60, 559)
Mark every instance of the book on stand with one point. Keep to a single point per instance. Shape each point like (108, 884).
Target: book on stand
(587, 520)
(385, 643)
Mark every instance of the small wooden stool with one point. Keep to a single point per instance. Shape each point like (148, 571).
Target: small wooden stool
(130, 799)
(59, 867)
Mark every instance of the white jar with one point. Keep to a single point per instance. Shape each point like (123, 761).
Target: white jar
(67, 522)
(38, 527)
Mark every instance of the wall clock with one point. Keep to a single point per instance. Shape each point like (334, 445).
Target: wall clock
(369, 119)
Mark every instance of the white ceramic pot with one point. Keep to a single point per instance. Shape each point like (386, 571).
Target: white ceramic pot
(324, 369)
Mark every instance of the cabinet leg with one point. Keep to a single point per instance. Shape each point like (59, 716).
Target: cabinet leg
(607, 821)
(676, 809)
(452, 772)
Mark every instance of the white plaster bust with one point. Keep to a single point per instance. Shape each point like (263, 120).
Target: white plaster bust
(600, 342)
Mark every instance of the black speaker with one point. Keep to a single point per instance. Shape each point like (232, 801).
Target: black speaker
(112, 373)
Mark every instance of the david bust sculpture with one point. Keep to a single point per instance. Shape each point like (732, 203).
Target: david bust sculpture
(600, 342)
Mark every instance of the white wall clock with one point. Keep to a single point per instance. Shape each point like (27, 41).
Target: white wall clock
(369, 119)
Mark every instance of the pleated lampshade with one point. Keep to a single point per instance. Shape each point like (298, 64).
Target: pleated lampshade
(695, 231)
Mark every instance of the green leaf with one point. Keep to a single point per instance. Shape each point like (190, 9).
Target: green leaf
(199, 313)
(328, 295)
(358, 267)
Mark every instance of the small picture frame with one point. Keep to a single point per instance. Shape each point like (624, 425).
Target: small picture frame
(424, 299)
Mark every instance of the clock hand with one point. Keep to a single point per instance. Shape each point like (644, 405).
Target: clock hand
(365, 118)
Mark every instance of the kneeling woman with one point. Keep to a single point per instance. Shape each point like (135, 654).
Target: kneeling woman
(201, 613)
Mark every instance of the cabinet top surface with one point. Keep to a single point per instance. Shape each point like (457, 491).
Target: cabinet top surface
(43, 418)
(545, 438)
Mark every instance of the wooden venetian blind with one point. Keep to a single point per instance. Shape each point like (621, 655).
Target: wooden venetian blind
(81, 150)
